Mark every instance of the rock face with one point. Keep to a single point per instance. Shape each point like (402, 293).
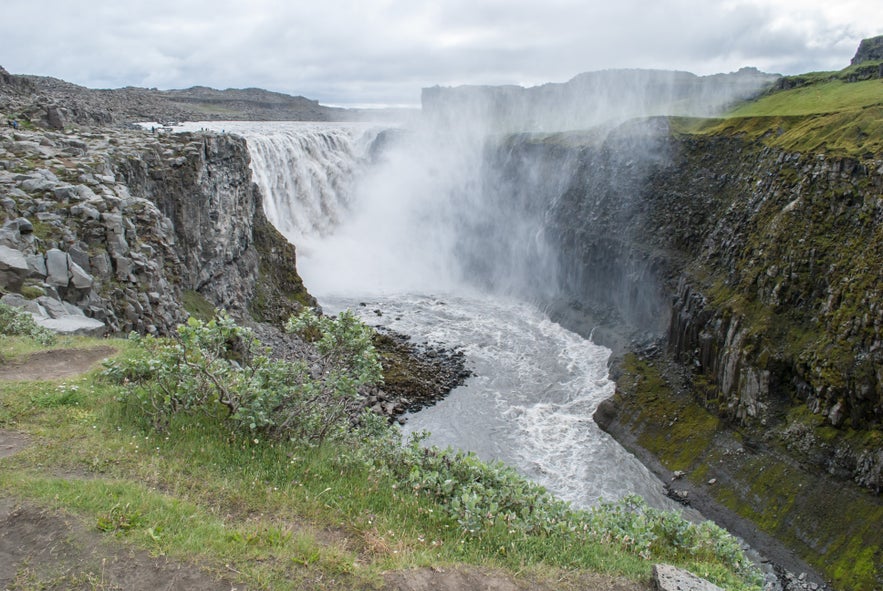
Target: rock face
(869, 50)
(112, 228)
(725, 250)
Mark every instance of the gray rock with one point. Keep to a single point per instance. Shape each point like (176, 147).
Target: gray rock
(9, 235)
(13, 268)
(86, 211)
(124, 268)
(37, 264)
(79, 278)
(48, 217)
(80, 257)
(54, 117)
(74, 325)
(57, 268)
(100, 265)
(54, 308)
(72, 310)
(671, 578)
(19, 301)
(24, 225)
(65, 193)
(36, 185)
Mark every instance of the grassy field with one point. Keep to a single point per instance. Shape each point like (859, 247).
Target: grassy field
(827, 114)
(831, 96)
(272, 515)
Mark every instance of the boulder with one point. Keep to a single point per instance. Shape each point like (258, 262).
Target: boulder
(54, 117)
(79, 278)
(54, 308)
(14, 268)
(80, 257)
(58, 270)
(16, 300)
(74, 325)
(672, 578)
(37, 264)
(24, 225)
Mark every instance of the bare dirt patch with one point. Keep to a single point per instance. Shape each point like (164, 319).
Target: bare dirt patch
(43, 549)
(54, 365)
(466, 579)
(11, 442)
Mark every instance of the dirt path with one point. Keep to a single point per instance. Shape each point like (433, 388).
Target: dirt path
(470, 579)
(55, 364)
(42, 549)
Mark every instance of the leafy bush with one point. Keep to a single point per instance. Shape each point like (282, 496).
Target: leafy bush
(482, 497)
(220, 368)
(17, 322)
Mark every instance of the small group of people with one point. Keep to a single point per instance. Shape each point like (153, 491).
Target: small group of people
(13, 123)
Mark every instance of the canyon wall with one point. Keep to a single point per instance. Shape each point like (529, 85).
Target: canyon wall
(740, 286)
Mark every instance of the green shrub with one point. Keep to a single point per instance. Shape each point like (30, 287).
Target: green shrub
(219, 368)
(17, 322)
(483, 497)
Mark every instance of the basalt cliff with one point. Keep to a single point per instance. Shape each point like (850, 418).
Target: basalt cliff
(114, 230)
(734, 267)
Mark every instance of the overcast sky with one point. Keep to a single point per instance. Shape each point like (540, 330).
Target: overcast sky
(385, 51)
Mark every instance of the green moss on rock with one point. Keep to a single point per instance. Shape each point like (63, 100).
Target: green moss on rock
(832, 525)
(279, 292)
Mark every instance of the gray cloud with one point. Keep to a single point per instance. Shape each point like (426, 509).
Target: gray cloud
(345, 51)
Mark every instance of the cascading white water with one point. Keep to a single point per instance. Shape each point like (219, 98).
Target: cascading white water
(394, 233)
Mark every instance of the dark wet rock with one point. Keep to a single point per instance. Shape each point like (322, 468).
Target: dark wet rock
(416, 375)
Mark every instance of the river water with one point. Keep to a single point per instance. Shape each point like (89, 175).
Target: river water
(380, 238)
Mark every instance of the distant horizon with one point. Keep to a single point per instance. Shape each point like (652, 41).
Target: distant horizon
(362, 105)
(347, 52)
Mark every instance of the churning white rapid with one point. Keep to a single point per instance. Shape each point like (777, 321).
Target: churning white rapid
(378, 234)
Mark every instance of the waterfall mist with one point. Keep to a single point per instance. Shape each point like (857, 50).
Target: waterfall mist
(462, 199)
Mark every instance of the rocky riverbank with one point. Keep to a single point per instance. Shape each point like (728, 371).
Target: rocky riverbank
(414, 374)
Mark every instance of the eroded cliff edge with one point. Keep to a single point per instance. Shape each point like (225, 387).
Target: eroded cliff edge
(135, 230)
(740, 285)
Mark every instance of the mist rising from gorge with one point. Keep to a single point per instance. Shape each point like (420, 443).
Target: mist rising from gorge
(457, 200)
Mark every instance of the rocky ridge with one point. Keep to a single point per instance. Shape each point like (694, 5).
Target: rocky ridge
(56, 104)
(110, 229)
(116, 226)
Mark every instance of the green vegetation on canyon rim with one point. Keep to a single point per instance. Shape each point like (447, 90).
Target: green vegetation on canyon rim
(823, 112)
(280, 509)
